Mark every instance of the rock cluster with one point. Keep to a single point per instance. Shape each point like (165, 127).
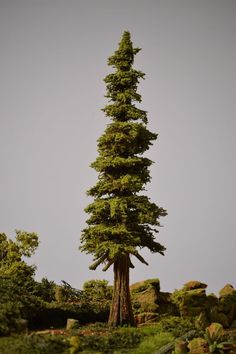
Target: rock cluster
(149, 303)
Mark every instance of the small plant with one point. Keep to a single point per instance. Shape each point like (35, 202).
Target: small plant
(216, 339)
(214, 333)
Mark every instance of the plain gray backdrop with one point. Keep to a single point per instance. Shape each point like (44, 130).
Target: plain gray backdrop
(53, 61)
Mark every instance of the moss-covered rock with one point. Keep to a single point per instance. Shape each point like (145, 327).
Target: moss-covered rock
(227, 303)
(144, 285)
(212, 300)
(226, 319)
(194, 284)
(144, 295)
(191, 302)
(166, 304)
(181, 347)
(228, 289)
(216, 315)
(198, 346)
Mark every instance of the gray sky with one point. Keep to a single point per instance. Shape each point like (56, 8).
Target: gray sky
(53, 61)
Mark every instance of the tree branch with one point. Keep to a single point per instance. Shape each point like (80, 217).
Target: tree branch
(98, 262)
(107, 266)
(140, 258)
(131, 264)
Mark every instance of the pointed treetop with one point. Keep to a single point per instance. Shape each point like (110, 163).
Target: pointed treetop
(123, 57)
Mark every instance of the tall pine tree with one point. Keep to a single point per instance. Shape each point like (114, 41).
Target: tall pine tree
(122, 220)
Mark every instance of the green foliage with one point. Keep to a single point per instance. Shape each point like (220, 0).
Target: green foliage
(34, 344)
(105, 340)
(45, 290)
(152, 344)
(100, 338)
(16, 301)
(9, 313)
(12, 253)
(66, 293)
(121, 220)
(175, 325)
(126, 337)
(27, 242)
(97, 291)
(147, 339)
(216, 337)
(215, 340)
(16, 280)
(191, 302)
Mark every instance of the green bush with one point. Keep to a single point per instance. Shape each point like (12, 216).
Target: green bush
(125, 338)
(34, 344)
(17, 283)
(16, 302)
(97, 290)
(45, 290)
(175, 325)
(9, 313)
(153, 343)
(105, 339)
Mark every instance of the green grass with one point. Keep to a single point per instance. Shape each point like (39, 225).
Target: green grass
(122, 340)
(152, 343)
(98, 338)
(34, 344)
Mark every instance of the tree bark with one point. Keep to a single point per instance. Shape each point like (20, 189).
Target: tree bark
(121, 312)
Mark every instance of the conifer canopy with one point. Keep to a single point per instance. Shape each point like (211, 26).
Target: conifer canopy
(121, 219)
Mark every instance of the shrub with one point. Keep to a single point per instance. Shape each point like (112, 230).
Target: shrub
(45, 290)
(97, 290)
(175, 325)
(153, 343)
(126, 337)
(9, 313)
(34, 344)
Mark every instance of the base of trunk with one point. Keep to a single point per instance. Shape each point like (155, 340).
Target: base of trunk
(121, 312)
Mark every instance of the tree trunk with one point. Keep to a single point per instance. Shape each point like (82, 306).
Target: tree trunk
(121, 312)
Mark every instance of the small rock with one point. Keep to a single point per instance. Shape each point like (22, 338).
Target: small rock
(198, 346)
(228, 289)
(22, 326)
(72, 324)
(181, 347)
(194, 284)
